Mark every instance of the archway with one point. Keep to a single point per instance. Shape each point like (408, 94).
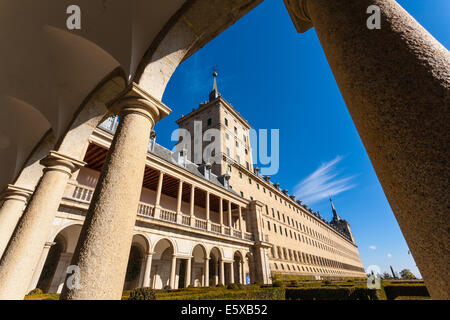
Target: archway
(136, 263)
(163, 259)
(250, 270)
(198, 265)
(59, 257)
(238, 263)
(215, 271)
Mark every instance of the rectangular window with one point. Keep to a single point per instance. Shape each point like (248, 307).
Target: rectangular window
(249, 181)
(240, 175)
(242, 194)
(226, 122)
(209, 122)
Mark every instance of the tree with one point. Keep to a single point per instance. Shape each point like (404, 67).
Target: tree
(407, 274)
(386, 275)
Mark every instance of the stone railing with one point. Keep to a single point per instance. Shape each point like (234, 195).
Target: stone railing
(201, 224)
(248, 236)
(186, 220)
(145, 210)
(168, 215)
(217, 228)
(80, 193)
(84, 194)
(110, 124)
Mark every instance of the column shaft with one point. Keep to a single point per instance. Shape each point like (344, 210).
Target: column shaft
(188, 272)
(179, 196)
(14, 202)
(40, 266)
(24, 250)
(222, 272)
(208, 221)
(206, 270)
(159, 189)
(173, 269)
(230, 223)
(395, 82)
(104, 245)
(232, 272)
(147, 272)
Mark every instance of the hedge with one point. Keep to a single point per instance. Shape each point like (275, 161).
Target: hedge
(142, 294)
(394, 291)
(331, 294)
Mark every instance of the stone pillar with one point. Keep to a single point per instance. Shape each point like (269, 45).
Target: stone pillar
(232, 272)
(208, 221)
(216, 271)
(206, 270)
(241, 224)
(40, 266)
(222, 272)
(188, 272)
(242, 271)
(229, 217)
(173, 268)
(104, 245)
(395, 82)
(158, 194)
(25, 247)
(179, 196)
(221, 214)
(14, 201)
(148, 270)
(192, 205)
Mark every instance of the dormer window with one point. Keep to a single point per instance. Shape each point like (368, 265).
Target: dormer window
(182, 155)
(152, 142)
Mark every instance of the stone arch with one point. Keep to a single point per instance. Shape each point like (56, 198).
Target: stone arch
(250, 267)
(53, 273)
(163, 252)
(139, 249)
(238, 260)
(188, 30)
(215, 258)
(199, 253)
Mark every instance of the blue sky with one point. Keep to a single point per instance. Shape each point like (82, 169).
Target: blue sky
(279, 79)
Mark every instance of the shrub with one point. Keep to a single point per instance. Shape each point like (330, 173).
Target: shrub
(220, 285)
(142, 294)
(277, 284)
(293, 283)
(394, 291)
(331, 294)
(167, 288)
(233, 286)
(327, 282)
(35, 292)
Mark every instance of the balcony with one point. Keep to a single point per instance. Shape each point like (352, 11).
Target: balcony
(83, 194)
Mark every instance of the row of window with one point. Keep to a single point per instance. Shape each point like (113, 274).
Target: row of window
(294, 268)
(305, 258)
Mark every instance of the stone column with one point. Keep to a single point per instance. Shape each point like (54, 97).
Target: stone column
(242, 270)
(395, 81)
(241, 224)
(232, 272)
(188, 272)
(208, 221)
(221, 214)
(192, 205)
(179, 196)
(222, 272)
(25, 247)
(229, 217)
(173, 268)
(158, 194)
(206, 270)
(148, 270)
(40, 266)
(104, 245)
(14, 201)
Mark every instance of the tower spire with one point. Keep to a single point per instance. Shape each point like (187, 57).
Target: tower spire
(335, 215)
(214, 93)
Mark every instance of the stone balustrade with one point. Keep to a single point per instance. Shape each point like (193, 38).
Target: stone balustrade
(84, 194)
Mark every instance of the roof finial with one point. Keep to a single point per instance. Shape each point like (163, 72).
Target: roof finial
(335, 215)
(214, 93)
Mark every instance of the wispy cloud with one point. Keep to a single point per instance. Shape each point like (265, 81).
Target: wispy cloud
(389, 255)
(373, 247)
(323, 182)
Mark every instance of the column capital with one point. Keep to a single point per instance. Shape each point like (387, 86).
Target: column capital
(137, 100)
(13, 192)
(298, 10)
(56, 161)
